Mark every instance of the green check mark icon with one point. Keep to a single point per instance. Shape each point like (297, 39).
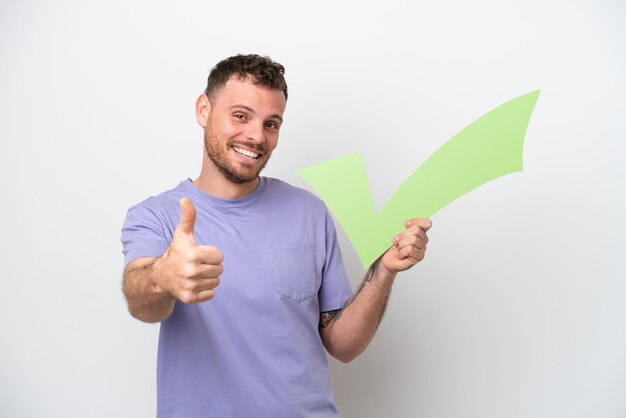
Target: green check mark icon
(488, 148)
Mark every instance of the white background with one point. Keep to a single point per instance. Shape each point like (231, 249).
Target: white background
(519, 309)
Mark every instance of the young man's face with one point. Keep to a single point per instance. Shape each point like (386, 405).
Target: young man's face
(241, 128)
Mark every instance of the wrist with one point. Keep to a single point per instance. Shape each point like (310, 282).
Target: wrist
(156, 279)
(379, 271)
(383, 273)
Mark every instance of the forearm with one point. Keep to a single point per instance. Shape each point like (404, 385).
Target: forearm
(349, 331)
(146, 301)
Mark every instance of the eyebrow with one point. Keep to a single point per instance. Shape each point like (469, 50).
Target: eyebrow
(276, 116)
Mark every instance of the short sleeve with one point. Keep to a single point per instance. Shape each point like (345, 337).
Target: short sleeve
(144, 234)
(335, 290)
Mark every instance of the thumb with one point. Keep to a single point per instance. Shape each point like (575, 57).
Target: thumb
(423, 223)
(187, 217)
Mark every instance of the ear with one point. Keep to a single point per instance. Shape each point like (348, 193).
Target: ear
(203, 109)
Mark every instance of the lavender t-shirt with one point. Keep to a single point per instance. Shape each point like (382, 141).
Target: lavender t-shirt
(254, 350)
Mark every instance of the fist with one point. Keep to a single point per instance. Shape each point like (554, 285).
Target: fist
(189, 272)
(409, 247)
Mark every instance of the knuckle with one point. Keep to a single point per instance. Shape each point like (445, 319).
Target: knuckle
(425, 223)
(187, 296)
(190, 256)
(212, 254)
(189, 270)
(219, 256)
(219, 269)
(187, 285)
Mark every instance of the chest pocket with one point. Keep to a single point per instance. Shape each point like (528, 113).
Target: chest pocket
(295, 270)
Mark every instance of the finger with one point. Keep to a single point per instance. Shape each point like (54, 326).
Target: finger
(413, 240)
(189, 297)
(187, 217)
(412, 253)
(205, 295)
(422, 223)
(208, 254)
(417, 232)
(413, 231)
(208, 271)
(206, 284)
(194, 286)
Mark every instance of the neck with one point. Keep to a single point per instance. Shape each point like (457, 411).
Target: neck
(212, 182)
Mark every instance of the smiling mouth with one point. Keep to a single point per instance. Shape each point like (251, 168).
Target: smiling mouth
(246, 152)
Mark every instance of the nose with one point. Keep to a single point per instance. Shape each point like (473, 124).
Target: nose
(255, 133)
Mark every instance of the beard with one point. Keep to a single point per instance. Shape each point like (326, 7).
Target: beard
(232, 171)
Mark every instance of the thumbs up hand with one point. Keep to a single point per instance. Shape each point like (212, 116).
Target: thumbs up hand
(187, 271)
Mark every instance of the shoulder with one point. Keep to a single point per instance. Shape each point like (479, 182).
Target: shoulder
(290, 194)
(163, 206)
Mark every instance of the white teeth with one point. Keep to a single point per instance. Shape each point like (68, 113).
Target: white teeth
(246, 152)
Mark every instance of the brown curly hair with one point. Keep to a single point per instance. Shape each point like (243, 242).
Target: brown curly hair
(262, 70)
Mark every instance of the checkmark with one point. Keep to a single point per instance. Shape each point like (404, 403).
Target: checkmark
(486, 149)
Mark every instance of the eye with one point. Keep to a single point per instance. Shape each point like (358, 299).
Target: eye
(239, 116)
(271, 125)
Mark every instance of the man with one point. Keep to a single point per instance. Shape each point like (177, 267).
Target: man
(254, 347)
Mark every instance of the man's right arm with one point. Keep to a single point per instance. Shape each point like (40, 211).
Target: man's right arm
(186, 272)
(146, 300)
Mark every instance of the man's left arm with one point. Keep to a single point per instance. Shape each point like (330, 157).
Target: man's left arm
(348, 331)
